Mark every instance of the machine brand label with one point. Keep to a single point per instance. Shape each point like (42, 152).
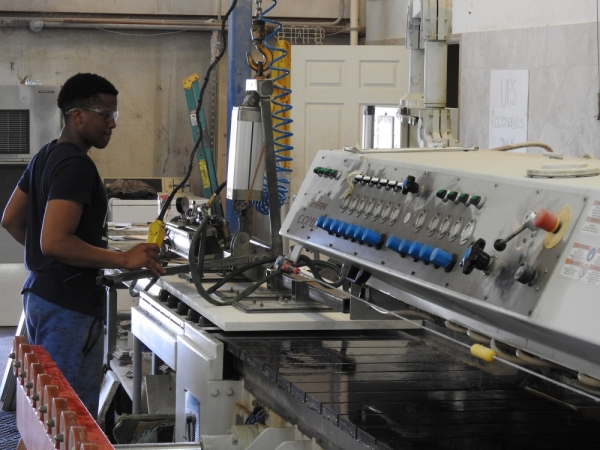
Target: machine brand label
(318, 203)
(307, 221)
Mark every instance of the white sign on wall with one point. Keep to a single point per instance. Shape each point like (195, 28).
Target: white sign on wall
(509, 101)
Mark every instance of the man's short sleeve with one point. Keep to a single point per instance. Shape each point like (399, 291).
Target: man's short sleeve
(73, 178)
(24, 181)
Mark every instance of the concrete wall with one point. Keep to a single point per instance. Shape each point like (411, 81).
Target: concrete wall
(153, 136)
(485, 15)
(563, 84)
(555, 40)
(385, 22)
(305, 8)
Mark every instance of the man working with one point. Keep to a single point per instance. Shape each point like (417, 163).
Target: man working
(58, 212)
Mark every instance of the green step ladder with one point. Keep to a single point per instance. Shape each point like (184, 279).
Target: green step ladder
(208, 175)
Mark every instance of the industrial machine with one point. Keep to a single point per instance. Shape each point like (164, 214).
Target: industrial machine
(433, 297)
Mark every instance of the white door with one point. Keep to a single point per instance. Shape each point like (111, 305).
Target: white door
(330, 85)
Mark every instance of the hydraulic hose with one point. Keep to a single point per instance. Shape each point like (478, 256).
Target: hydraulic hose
(238, 271)
(281, 108)
(505, 148)
(196, 268)
(313, 266)
(249, 290)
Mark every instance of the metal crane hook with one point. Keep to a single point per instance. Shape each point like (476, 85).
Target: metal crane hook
(258, 32)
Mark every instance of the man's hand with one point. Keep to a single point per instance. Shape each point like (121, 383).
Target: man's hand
(143, 256)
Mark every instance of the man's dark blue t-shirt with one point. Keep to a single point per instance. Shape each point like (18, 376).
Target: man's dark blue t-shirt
(63, 171)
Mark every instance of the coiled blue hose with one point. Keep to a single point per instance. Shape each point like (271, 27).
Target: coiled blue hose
(279, 120)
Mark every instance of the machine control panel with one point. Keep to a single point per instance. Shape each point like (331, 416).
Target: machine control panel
(433, 220)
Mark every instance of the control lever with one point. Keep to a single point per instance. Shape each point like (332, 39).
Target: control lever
(543, 219)
(500, 244)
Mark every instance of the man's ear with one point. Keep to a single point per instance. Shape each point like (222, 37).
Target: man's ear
(76, 116)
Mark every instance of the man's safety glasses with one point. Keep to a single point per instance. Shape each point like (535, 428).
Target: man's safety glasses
(106, 114)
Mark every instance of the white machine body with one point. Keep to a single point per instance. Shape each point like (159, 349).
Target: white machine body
(553, 317)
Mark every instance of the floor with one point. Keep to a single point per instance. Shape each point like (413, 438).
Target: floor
(8, 429)
(6, 337)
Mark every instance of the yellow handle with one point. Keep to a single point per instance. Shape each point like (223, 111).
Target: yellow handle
(156, 232)
(487, 354)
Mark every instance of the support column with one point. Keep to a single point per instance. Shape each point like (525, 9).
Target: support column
(238, 43)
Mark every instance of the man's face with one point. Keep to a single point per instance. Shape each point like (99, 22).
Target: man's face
(95, 128)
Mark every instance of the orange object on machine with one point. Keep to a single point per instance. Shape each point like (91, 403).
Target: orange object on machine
(547, 221)
(48, 393)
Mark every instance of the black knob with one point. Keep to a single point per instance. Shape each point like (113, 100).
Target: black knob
(193, 316)
(182, 309)
(526, 274)
(500, 245)
(410, 185)
(163, 295)
(172, 301)
(475, 258)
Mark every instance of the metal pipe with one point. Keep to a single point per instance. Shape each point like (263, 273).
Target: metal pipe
(354, 10)
(137, 376)
(368, 127)
(38, 25)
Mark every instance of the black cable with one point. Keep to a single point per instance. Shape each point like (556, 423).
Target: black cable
(237, 271)
(220, 188)
(313, 266)
(167, 203)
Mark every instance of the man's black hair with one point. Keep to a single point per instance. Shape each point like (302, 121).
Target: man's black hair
(83, 90)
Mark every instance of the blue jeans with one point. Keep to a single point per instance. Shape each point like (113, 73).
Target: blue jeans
(73, 340)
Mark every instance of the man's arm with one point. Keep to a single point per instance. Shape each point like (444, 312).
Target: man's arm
(14, 219)
(58, 241)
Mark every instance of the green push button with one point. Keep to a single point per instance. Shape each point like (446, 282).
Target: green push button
(475, 200)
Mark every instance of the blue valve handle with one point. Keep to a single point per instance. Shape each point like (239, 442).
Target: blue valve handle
(425, 253)
(341, 229)
(358, 233)
(371, 237)
(415, 249)
(404, 246)
(350, 230)
(320, 221)
(334, 225)
(393, 243)
(443, 259)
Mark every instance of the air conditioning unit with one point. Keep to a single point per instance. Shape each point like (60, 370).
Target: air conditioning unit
(29, 118)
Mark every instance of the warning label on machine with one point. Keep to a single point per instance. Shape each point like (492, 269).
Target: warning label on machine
(583, 264)
(591, 225)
